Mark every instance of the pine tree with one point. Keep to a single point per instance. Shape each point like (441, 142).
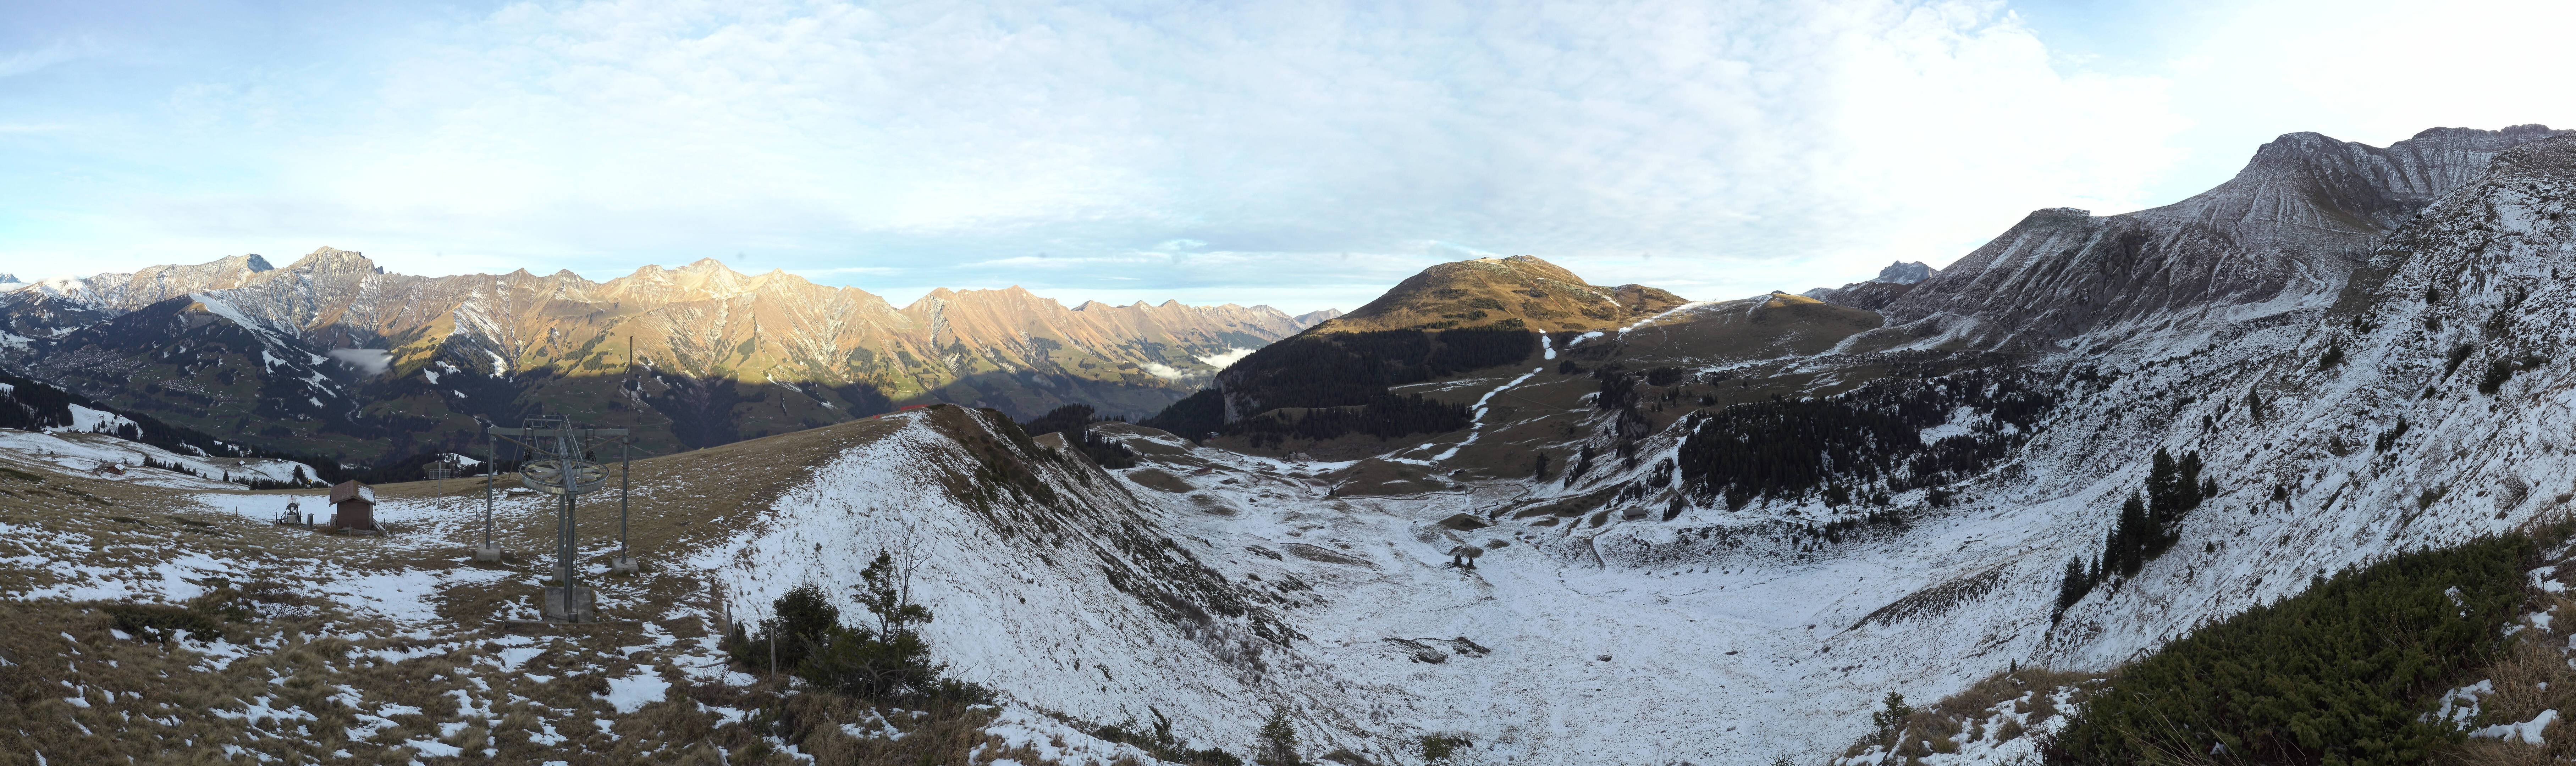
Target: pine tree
(2163, 494)
(2073, 588)
(2129, 539)
(2174, 488)
(887, 594)
(1891, 717)
(1278, 739)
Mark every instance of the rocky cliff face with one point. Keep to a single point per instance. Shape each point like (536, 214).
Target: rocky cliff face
(2285, 232)
(696, 355)
(1890, 284)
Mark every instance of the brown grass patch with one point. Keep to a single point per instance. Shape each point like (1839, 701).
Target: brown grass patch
(1159, 479)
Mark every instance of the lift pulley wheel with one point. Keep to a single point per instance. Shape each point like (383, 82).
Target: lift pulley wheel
(558, 476)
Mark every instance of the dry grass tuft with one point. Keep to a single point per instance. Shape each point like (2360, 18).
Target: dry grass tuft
(2531, 673)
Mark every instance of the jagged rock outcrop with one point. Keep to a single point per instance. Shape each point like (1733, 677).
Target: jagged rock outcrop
(1890, 284)
(2284, 233)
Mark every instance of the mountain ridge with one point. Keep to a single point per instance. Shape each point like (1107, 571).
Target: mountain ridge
(709, 352)
(2286, 230)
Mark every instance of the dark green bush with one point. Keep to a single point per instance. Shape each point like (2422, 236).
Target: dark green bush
(858, 662)
(2459, 353)
(805, 618)
(885, 662)
(2502, 370)
(2341, 674)
(1437, 748)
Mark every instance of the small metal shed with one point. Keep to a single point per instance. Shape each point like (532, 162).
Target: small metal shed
(353, 506)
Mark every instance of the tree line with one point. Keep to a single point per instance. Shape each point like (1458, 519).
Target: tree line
(2144, 529)
(1867, 442)
(32, 405)
(1349, 369)
(1386, 417)
(1074, 421)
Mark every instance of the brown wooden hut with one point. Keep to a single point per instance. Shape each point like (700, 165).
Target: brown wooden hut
(353, 506)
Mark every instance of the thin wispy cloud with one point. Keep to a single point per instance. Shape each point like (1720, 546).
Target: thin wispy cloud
(1295, 153)
(18, 62)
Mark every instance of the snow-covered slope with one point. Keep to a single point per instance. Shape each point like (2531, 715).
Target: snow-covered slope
(2397, 446)
(82, 451)
(1051, 580)
(2387, 449)
(2282, 234)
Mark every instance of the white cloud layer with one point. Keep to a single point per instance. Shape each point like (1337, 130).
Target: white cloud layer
(1303, 154)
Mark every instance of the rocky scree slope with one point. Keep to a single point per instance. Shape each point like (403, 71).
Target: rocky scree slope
(2286, 230)
(2422, 408)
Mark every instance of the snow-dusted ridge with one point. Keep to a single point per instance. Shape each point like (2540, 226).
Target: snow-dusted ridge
(1062, 591)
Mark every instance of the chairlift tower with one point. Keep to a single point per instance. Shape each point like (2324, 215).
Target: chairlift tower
(439, 472)
(560, 465)
(489, 551)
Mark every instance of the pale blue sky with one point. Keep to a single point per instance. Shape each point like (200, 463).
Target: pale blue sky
(1302, 154)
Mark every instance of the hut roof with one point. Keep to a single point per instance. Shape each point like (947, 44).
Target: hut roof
(352, 490)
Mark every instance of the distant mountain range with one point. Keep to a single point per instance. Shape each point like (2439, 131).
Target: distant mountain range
(333, 355)
(1497, 507)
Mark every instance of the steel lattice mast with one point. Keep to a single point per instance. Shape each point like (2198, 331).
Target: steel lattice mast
(561, 468)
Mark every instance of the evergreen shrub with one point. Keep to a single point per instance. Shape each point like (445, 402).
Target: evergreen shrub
(2340, 674)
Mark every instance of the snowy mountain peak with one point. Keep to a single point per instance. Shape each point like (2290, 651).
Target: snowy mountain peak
(2283, 233)
(1904, 273)
(328, 259)
(1891, 283)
